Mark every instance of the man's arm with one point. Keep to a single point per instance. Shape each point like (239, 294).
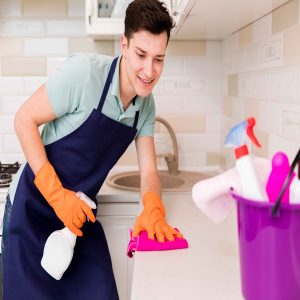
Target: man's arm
(150, 181)
(152, 218)
(34, 112)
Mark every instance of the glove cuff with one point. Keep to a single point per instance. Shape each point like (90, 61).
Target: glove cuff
(47, 182)
(151, 200)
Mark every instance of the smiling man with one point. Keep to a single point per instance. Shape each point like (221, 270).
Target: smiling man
(92, 108)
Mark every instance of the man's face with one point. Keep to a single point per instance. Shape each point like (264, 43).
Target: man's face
(144, 60)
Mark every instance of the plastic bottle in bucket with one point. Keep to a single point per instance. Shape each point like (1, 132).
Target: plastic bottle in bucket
(237, 137)
(279, 172)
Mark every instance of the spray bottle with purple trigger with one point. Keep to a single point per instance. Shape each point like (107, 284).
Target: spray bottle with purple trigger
(237, 137)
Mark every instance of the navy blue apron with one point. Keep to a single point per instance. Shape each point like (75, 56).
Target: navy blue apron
(82, 160)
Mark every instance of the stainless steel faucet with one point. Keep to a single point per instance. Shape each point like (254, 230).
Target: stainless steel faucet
(171, 159)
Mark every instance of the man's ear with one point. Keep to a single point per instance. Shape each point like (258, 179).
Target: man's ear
(124, 45)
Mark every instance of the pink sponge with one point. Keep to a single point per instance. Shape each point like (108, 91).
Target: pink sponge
(143, 243)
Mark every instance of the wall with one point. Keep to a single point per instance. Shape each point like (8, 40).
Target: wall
(37, 36)
(261, 78)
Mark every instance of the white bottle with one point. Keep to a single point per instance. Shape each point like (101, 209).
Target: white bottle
(59, 247)
(295, 191)
(251, 186)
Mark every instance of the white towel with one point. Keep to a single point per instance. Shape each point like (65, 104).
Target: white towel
(212, 195)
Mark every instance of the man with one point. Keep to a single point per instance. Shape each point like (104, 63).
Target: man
(82, 139)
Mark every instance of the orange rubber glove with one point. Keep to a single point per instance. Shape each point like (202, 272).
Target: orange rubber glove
(152, 219)
(70, 209)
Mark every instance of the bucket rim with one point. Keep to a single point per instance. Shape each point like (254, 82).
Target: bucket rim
(256, 203)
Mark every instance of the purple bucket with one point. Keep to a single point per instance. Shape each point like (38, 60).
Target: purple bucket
(269, 250)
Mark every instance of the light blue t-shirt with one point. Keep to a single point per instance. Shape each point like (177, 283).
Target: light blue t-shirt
(75, 90)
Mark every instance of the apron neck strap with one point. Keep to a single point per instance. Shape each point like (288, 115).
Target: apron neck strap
(107, 83)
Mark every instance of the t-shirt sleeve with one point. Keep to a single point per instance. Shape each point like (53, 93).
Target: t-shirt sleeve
(65, 88)
(147, 128)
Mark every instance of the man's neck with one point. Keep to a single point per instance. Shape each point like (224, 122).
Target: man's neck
(125, 93)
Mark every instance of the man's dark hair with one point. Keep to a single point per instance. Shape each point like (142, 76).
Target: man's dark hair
(149, 15)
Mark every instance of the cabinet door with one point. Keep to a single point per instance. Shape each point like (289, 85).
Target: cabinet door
(116, 228)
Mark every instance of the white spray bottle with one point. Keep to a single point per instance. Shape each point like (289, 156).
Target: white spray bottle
(59, 247)
(252, 188)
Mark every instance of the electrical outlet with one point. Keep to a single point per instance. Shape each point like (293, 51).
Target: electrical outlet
(271, 51)
(291, 122)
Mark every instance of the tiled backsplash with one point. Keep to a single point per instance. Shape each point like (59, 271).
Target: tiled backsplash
(205, 88)
(37, 36)
(261, 72)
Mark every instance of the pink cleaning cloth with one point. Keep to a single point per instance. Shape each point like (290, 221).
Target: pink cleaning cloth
(143, 243)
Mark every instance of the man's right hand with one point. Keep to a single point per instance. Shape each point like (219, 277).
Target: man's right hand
(70, 209)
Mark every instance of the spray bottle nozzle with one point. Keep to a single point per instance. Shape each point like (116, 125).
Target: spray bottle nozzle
(251, 123)
(238, 134)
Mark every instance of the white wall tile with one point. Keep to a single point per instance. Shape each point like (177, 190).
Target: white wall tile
(10, 8)
(284, 82)
(173, 66)
(238, 108)
(22, 27)
(31, 84)
(208, 142)
(202, 66)
(213, 123)
(203, 104)
(214, 49)
(7, 125)
(65, 28)
(192, 161)
(76, 8)
(11, 158)
(278, 143)
(46, 47)
(10, 105)
(11, 144)
(54, 64)
(262, 28)
(11, 86)
(168, 104)
(260, 84)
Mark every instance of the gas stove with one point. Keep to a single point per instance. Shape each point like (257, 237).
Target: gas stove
(6, 171)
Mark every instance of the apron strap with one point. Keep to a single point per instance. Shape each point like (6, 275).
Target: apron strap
(136, 117)
(107, 83)
(106, 88)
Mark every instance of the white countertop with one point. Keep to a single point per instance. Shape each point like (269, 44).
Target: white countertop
(208, 269)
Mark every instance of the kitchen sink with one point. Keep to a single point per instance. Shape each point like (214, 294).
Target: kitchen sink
(184, 181)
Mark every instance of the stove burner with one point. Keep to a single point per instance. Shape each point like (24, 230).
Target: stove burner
(9, 168)
(6, 171)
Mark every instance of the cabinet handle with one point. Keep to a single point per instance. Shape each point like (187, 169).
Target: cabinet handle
(89, 10)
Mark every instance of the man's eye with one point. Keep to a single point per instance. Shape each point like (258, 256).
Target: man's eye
(159, 60)
(140, 55)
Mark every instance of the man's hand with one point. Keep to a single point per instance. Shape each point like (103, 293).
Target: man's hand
(70, 209)
(152, 219)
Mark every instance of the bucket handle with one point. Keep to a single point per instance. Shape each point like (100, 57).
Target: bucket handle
(285, 184)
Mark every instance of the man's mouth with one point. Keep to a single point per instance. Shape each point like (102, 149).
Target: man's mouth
(145, 80)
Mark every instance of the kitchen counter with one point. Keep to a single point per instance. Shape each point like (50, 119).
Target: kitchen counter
(208, 269)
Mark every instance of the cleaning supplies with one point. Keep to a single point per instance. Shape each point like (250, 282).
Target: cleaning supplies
(213, 195)
(143, 243)
(59, 247)
(251, 186)
(278, 174)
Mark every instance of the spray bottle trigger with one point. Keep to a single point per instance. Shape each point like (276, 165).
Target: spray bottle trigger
(250, 124)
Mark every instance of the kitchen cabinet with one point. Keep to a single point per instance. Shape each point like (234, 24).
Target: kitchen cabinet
(117, 218)
(105, 18)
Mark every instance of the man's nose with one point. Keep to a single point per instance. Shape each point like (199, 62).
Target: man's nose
(148, 68)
